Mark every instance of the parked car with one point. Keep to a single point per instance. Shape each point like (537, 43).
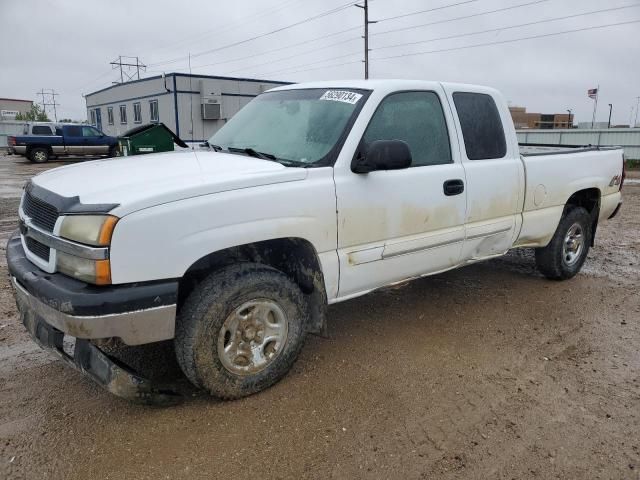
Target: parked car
(41, 141)
(311, 195)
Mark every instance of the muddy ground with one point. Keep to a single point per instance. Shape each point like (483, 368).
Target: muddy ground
(486, 372)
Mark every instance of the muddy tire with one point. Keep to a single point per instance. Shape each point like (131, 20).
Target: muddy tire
(39, 155)
(565, 254)
(113, 152)
(241, 330)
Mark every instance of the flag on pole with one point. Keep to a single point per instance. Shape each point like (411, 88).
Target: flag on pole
(592, 93)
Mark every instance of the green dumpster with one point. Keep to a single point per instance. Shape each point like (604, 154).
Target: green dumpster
(150, 138)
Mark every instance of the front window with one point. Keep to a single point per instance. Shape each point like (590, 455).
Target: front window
(292, 126)
(416, 118)
(90, 132)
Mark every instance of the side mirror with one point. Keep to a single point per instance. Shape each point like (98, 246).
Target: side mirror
(383, 155)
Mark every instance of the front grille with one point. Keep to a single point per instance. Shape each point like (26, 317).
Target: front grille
(37, 248)
(41, 213)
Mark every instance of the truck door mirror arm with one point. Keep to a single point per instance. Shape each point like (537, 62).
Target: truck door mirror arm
(383, 155)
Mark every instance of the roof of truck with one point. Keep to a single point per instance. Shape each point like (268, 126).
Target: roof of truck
(382, 84)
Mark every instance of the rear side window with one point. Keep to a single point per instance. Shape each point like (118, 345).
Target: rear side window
(41, 130)
(481, 126)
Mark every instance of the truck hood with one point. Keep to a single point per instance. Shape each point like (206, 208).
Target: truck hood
(143, 181)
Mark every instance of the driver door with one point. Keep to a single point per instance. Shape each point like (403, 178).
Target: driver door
(398, 224)
(94, 143)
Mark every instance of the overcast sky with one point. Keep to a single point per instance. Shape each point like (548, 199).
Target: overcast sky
(67, 45)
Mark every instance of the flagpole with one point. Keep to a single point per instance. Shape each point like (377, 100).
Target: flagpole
(595, 107)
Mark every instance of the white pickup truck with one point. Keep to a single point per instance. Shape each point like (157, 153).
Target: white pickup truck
(311, 195)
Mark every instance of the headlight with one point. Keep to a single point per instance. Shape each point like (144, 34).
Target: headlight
(97, 272)
(93, 230)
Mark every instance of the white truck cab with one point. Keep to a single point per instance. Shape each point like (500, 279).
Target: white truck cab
(312, 194)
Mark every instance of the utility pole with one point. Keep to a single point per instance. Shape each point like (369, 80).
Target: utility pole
(595, 106)
(367, 22)
(635, 122)
(49, 100)
(610, 110)
(570, 119)
(128, 64)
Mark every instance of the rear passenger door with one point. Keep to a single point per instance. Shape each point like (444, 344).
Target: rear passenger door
(493, 169)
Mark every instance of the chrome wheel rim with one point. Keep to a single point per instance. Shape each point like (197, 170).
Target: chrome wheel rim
(40, 156)
(573, 244)
(252, 337)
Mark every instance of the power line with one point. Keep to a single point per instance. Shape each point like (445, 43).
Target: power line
(322, 66)
(294, 56)
(501, 42)
(232, 25)
(460, 18)
(286, 47)
(262, 35)
(427, 10)
(510, 27)
(313, 63)
(468, 46)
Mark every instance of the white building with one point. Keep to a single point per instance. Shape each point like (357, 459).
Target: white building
(193, 106)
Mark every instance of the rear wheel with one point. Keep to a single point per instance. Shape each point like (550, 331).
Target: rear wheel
(113, 151)
(567, 251)
(39, 155)
(241, 330)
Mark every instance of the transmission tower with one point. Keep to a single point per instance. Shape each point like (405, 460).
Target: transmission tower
(127, 68)
(49, 100)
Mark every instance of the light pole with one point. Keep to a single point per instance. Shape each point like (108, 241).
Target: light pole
(635, 122)
(570, 121)
(610, 110)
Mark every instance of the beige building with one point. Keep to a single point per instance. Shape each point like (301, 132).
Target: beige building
(10, 107)
(546, 121)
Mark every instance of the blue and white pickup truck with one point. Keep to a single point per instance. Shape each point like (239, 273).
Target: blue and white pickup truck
(41, 141)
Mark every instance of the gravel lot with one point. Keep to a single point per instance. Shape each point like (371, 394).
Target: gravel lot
(490, 371)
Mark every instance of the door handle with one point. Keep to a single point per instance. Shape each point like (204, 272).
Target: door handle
(453, 187)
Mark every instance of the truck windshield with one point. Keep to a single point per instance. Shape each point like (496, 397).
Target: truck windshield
(298, 127)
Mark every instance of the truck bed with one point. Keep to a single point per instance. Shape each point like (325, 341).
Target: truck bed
(574, 169)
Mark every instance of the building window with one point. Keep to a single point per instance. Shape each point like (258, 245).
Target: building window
(92, 114)
(110, 115)
(137, 113)
(123, 114)
(153, 111)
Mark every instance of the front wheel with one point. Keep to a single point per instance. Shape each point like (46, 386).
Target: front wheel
(241, 330)
(567, 251)
(113, 152)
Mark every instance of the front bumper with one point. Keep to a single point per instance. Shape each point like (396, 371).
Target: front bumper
(53, 306)
(136, 313)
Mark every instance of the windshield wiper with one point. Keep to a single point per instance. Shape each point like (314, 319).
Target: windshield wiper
(267, 156)
(253, 153)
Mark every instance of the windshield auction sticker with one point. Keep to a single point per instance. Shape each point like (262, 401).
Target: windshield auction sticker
(341, 96)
